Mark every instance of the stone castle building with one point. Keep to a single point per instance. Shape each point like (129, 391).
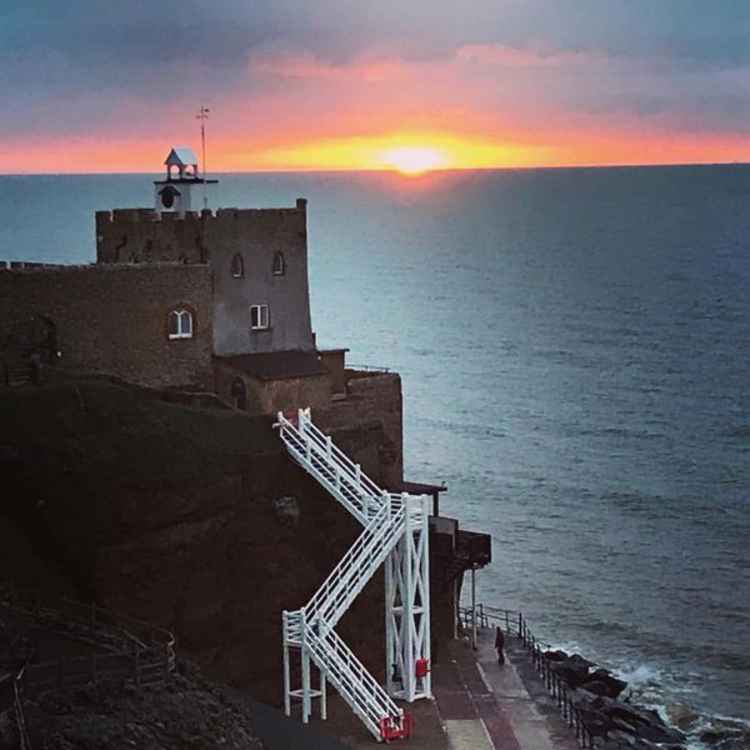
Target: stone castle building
(179, 298)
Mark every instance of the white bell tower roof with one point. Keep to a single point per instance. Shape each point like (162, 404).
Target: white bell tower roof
(174, 194)
(182, 157)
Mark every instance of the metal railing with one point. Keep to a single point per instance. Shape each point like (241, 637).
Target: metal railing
(514, 622)
(368, 368)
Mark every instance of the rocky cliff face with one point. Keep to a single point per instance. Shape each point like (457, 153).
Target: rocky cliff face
(192, 518)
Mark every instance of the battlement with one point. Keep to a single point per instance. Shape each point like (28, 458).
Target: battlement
(219, 216)
(16, 266)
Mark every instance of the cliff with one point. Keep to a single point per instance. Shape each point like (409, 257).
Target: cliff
(192, 518)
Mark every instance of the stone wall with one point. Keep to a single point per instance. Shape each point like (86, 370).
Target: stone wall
(271, 396)
(113, 319)
(260, 277)
(372, 397)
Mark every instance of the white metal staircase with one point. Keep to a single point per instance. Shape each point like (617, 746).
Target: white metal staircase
(395, 532)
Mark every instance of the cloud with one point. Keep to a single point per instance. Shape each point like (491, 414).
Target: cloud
(513, 57)
(93, 69)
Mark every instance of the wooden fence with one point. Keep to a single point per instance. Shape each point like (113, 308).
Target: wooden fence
(129, 649)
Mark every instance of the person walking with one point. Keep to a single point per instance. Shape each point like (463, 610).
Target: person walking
(500, 645)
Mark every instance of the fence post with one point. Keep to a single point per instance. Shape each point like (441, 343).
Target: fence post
(520, 625)
(507, 621)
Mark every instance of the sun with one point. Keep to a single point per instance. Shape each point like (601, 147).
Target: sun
(413, 159)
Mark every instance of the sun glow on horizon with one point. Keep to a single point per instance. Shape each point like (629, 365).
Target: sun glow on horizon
(414, 160)
(408, 153)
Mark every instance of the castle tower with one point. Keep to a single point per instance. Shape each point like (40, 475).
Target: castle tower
(262, 346)
(183, 189)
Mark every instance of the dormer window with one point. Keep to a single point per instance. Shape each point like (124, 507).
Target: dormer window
(238, 267)
(259, 317)
(180, 324)
(279, 264)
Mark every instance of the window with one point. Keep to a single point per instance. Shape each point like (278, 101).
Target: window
(279, 264)
(238, 267)
(180, 324)
(259, 318)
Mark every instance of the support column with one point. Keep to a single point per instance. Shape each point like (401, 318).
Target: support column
(407, 602)
(287, 675)
(473, 608)
(391, 656)
(407, 579)
(306, 700)
(323, 696)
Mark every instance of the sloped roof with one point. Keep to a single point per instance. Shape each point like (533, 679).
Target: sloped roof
(181, 156)
(277, 365)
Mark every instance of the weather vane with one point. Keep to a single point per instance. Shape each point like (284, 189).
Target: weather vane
(203, 116)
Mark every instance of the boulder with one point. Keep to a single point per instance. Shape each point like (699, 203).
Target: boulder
(574, 670)
(601, 682)
(682, 716)
(555, 655)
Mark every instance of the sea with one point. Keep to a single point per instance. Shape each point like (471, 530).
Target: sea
(574, 346)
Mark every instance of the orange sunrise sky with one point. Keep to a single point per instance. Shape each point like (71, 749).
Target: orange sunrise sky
(350, 85)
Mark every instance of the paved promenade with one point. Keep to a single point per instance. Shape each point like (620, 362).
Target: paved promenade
(478, 705)
(484, 706)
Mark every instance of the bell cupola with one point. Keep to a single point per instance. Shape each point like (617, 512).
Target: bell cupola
(183, 189)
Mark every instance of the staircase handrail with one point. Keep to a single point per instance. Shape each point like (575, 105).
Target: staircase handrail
(340, 576)
(323, 441)
(320, 443)
(343, 489)
(331, 601)
(362, 692)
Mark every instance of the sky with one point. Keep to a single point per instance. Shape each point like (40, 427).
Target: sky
(92, 86)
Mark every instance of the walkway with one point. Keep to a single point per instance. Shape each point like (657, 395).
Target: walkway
(478, 706)
(484, 706)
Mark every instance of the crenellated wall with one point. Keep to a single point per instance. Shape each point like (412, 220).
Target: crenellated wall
(112, 319)
(256, 236)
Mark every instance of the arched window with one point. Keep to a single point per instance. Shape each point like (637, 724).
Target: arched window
(239, 394)
(180, 324)
(279, 264)
(238, 267)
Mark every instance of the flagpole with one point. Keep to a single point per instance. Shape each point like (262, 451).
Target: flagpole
(203, 116)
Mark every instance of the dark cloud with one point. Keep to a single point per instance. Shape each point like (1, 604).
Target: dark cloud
(81, 60)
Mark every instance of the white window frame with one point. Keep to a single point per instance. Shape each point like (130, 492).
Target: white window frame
(184, 324)
(280, 269)
(262, 317)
